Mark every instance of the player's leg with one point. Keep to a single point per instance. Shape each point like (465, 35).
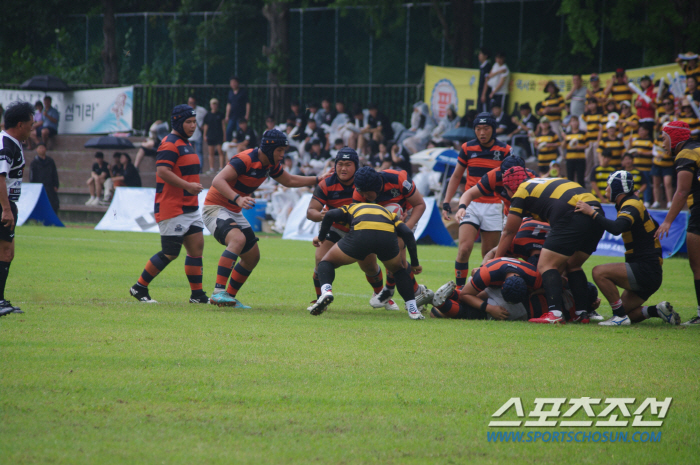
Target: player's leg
(549, 265)
(194, 246)
(241, 272)
(693, 242)
(608, 278)
(320, 252)
(404, 285)
(578, 282)
(212, 151)
(170, 249)
(466, 236)
(489, 240)
(7, 254)
(333, 259)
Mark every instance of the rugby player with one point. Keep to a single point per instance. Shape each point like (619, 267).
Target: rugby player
(572, 239)
(676, 138)
(177, 208)
(484, 214)
(641, 274)
(231, 191)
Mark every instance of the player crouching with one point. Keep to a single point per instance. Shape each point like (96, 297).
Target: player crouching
(374, 233)
(641, 274)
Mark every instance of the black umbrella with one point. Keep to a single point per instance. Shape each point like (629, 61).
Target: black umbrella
(461, 134)
(46, 83)
(109, 142)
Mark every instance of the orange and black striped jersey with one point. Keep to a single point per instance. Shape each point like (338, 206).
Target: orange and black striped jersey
(493, 273)
(397, 189)
(617, 147)
(529, 237)
(621, 92)
(593, 125)
(640, 244)
(492, 183)
(548, 199)
(576, 150)
(479, 160)
(642, 153)
(688, 159)
(662, 158)
(332, 193)
(555, 105)
(250, 175)
(547, 154)
(629, 127)
(177, 154)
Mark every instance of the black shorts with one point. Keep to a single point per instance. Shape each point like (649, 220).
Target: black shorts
(694, 220)
(359, 244)
(7, 234)
(216, 141)
(574, 232)
(645, 278)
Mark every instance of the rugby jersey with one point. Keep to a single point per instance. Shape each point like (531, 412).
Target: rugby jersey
(11, 165)
(593, 126)
(692, 71)
(369, 216)
(599, 95)
(642, 153)
(599, 177)
(530, 236)
(493, 273)
(640, 244)
(662, 159)
(691, 121)
(548, 199)
(629, 126)
(637, 178)
(578, 151)
(397, 189)
(554, 103)
(492, 183)
(176, 153)
(617, 147)
(621, 92)
(547, 154)
(332, 193)
(688, 159)
(479, 160)
(250, 175)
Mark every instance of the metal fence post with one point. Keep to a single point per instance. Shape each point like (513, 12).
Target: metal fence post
(405, 90)
(602, 35)
(301, 52)
(206, 33)
(520, 31)
(371, 43)
(335, 66)
(145, 39)
(87, 38)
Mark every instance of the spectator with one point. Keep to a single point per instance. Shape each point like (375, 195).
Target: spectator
(642, 147)
(316, 158)
(270, 123)
(426, 124)
(313, 111)
(312, 131)
(553, 106)
(628, 122)
(575, 145)
(600, 175)
(379, 125)
(400, 160)
(499, 80)
(593, 118)
(689, 63)
(245, 137)
(196, 139)
(547, 144)
(115, 180)
(664, 113)
(157, 132)
(50, 117)
(449, 122)
(691, 88)
(100, 172)
(611, 107)
(595, 91)
(554, 170)
(213, 131)
(43, 170)
(484, 90)
(645, 110)
(237, 107)
(662, 173)
(612, 141)
(297, 116)
(38, 121)
(337, 145)
(467, 120)
(577, 96)
(326, 114)
(617, 87)
(640, 185)
(688, 116)
(2, 117)
(504, 124)
(131, 174)
(524, 128)
(341, 126)
(381, 160)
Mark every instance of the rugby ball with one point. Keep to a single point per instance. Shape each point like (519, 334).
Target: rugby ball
(394, 208)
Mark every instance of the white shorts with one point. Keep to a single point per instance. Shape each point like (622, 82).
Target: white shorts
(215, 215)
(487, 217)
(181, 224)
(515, 311)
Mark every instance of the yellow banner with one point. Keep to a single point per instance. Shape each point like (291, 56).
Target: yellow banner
(459, 86)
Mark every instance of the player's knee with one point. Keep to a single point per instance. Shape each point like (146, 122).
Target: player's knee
(598, 273)
(171, 246)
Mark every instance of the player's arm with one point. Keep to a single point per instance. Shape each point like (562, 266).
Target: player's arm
(294, 180)
(467, 197)
(315, 211)
(470, 295)
(332, 216)
(166, 174)
(405, 233)
(622, 223)
(490, 255)
(685, 181)
(509, 231)
(222, 182)
(416, 200)
(452, 186)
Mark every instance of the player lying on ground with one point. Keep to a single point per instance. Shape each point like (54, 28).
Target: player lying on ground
(641, 274)
(231, 191)
(333, 192)
(374, 233)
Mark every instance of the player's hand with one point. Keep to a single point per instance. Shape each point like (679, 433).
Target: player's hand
(246, 203)
(663, 229)
(460, 214)
(194, 188)
(317, 242)
(595, 304)
(584, 208)
(446, 210)
(7, 219)
(497, 312)
(417, 269)
(326, 175)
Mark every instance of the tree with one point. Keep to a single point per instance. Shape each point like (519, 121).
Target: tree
(277, 50)
(109, 52)
(458, 29)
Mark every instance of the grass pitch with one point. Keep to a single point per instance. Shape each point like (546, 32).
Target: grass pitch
(88, 375)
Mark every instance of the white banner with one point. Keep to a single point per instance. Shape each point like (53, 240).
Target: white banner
(99, 111)
(27, 201)
(132, 210)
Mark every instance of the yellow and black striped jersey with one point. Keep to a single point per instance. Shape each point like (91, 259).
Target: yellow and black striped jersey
(692, 71)
(593, 125)
(599, 95)
(599, 177)
(662, 158)
(547, 199)
(617, 147)
(629, 127)
(640, 244)
(688, 159)
(621, 92)
(555, 105)
(691, 121)
(576, 150)
(637, 178)
(642, 153)
(547, 154)
(371, 216)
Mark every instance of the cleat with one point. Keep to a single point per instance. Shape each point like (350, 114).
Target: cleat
(435, 313)
(594, 316)
(199, 299)
(616, 321)
(425, 298)
(581, 318)
(692, 322)
(224, 299)
(140, 293)
(415, 315)
(391, 305)
(666, 312)
(422, 290)
(380, 300)
(7, 304)
(444, 293)
(321, 304)
(548, 318)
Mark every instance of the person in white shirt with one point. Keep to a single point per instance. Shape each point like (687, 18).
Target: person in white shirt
(196, 139)
(498, 82)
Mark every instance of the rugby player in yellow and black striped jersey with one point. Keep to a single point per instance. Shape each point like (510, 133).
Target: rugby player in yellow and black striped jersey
(572, 239)
(641, 274)
(374, 233)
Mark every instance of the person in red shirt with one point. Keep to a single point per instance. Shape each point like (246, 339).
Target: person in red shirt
(231, 191)
(177, 208)
(646, 111)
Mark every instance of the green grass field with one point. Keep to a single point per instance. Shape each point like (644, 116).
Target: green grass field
(90, 376)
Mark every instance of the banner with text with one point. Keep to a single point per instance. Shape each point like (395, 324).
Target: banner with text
(99, 111)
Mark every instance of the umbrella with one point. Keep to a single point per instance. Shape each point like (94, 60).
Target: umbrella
(461, 134)
(46, 83)
(109, 142)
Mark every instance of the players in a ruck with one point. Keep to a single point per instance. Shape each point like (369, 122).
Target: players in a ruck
(231, 190)
(641, 274)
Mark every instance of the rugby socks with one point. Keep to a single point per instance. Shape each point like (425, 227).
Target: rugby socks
(317, 284)
(461, 273)
(193, 270)
(376, 281)
(650, 312)
(697, 293)
(551, 281)
(326, 273)
(617, 309)
(238, 277)
(390, 282)
(155, 265)
(409, 270)
(223, 271)
(4, 272)
(450, 308)
(403, 285)
(579, 288)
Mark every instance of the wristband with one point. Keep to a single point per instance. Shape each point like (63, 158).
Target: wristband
(316, 179)
(483, 306)
(461, 205)
(235, 199)
(446, 207)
